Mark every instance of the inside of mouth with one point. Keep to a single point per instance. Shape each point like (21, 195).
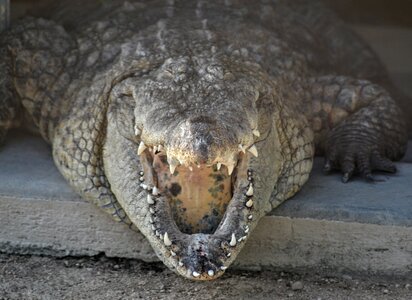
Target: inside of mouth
(198, 195)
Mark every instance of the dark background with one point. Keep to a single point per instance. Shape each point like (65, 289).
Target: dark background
(374, 12)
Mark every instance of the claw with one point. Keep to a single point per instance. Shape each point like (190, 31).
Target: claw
(327, 167)
(381, 163)
(346, 177)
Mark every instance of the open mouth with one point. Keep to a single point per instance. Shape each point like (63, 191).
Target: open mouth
(199, 213)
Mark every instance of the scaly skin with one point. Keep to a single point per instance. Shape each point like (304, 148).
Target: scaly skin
(249, 86)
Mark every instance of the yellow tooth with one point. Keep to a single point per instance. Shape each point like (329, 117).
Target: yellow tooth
(172, 167)
(256, 132)
(249, 203)
(233, 240)
(173, 163)
(150, 200)
(195, 274)
(242, 148)
(136, 130)
(230, 168)
(141, 148)
(250, 191)
(253, 150)
(155, 191)
(166, 240)
(218, 165)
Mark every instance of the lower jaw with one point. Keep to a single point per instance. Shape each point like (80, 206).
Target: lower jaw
(201, 256)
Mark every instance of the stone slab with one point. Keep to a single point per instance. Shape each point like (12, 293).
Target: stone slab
(385, 202)
(356, 227)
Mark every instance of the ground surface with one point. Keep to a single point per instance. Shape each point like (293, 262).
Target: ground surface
(34, 277)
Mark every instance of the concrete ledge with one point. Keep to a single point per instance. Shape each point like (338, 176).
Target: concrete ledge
(356, 227)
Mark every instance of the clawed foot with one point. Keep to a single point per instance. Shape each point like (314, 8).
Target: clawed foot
(357, 158)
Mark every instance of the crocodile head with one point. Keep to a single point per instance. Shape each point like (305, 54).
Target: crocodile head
(192, 156)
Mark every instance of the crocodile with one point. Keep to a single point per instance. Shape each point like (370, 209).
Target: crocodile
(190, 120)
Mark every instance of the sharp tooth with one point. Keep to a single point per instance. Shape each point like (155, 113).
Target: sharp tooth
(223, 268)
(166, 240)
(253, 150)
(250, 191)
(230, 168)
(172, 166)
(154, 149)
(229, 254)
(136, 130)
(151, 210)
(195, 274)
(250, 217)
(153, 227)
(256, 132)
(246, 229)
(159, 148)
(172, 253)
(233, 240)
(141, 148)
(155, 191)
(143, 186)
(210, 273)
(249, 203)
(218, 165)
(150, 200)
(190, 168)
(242, 148)
(180, 264)
(151, 220)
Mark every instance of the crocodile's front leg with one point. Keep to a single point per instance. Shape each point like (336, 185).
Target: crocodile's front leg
(357, 126)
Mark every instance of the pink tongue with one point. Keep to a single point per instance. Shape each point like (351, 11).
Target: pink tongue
(198, 198)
